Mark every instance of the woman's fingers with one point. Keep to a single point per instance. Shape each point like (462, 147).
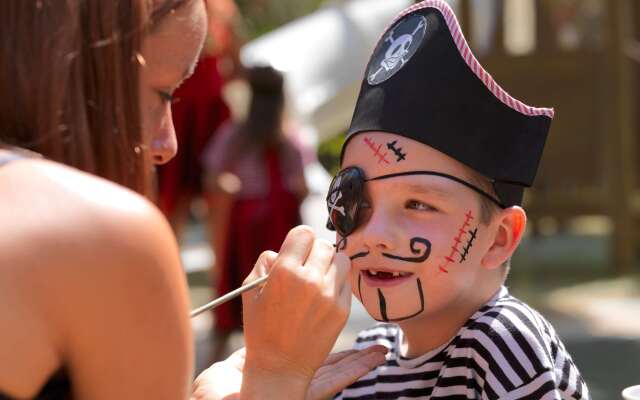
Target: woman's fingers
(321, 256)
(296, 248)
(335, 357)
(262, 266)
(334, 377)
(339, 356)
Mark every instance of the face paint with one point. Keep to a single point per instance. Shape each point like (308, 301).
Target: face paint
(341, 245)
(462, 231)
(358, 255)
(376, 150)
(382, 301)
(414, 250)
(346, 195)
(397, 151)
(472, 236)
(383, 305)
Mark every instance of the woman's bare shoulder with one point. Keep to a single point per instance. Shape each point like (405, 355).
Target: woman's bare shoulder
(97, 266)
(54, 211)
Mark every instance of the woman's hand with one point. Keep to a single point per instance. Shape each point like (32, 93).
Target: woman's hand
(292, 323)
(341, 369)
(222, 381)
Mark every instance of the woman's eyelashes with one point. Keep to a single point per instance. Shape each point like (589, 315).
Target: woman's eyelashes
(165, 96)
(419, 205)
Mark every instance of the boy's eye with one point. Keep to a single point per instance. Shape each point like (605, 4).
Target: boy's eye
(419, 206)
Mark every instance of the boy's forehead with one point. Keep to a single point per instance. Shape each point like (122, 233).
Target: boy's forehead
(382, 153)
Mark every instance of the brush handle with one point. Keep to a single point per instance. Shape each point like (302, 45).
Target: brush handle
(231, 295)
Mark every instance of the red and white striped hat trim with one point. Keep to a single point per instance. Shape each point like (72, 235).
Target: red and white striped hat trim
(470, 59)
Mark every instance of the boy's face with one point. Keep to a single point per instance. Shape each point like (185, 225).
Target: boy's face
(418, 246)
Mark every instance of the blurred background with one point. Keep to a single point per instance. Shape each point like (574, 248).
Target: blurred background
(579, 263)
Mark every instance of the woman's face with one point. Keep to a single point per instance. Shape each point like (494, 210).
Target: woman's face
(170, 52)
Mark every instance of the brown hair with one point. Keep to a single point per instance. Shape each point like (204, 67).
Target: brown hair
(262, 127)
(264, 120)
(69, 78)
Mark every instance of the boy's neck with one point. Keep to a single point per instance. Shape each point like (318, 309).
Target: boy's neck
(422, 335)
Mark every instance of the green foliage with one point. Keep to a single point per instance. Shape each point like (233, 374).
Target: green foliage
(329, 153)
(262, 16)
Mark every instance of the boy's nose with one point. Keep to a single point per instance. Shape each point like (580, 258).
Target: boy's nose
(378, 233)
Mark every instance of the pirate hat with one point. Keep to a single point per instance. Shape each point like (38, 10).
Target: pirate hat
(423, 82)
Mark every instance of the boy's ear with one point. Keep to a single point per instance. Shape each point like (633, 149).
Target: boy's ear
(509, 225)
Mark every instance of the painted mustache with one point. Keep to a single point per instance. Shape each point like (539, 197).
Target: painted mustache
(418, 245)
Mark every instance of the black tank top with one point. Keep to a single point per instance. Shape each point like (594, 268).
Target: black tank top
(59, 386)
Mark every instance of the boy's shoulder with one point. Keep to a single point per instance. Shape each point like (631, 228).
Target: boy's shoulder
(520, 349)
(506, 325)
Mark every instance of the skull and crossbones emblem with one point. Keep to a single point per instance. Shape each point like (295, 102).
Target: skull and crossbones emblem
(335, 197)
(400, 48)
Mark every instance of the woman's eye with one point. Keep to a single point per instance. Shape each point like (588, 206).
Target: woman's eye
(166, 97)
(419, 206)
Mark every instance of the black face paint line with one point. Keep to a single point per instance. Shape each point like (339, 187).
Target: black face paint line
(376, 150)
(397, 151)
(416, 240)
(383, 304)
(359, 255)
(465, 251)
(341, 245)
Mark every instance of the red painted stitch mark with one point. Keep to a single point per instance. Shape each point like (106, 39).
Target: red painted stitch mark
(376, 150)
(456, 242)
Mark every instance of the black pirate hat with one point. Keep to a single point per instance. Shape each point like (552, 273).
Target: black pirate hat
(423, 82)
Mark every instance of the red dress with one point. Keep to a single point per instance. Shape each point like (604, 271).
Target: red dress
(255, 225)
(197, 113)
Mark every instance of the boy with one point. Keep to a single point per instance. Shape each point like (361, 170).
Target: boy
(427, 207)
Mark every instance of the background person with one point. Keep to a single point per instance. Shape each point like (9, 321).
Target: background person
(255, 185)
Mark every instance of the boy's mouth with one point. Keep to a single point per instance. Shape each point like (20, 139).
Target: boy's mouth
(377, 278)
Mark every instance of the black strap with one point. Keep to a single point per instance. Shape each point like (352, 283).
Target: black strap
(443, 175)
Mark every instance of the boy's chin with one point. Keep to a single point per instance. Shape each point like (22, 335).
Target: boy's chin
(387, 307)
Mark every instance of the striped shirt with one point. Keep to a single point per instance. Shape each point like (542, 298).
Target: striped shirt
(506, 350)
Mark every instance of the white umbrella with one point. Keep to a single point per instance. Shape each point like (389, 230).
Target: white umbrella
(323, 56)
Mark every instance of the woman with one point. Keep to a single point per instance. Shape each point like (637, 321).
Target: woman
(93, 302)
(198, 114)
(256, 213)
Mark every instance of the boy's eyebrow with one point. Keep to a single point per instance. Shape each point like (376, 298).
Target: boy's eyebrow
(427, 189)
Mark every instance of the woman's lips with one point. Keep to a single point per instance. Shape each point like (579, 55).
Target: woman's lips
(375, 278)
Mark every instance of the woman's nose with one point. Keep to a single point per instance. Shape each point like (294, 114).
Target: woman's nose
(163, 149)
(164, 144)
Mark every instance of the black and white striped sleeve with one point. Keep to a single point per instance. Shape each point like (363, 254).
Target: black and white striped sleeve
(520, 356)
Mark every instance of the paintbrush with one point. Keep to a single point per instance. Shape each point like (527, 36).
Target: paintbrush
(231, 295)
